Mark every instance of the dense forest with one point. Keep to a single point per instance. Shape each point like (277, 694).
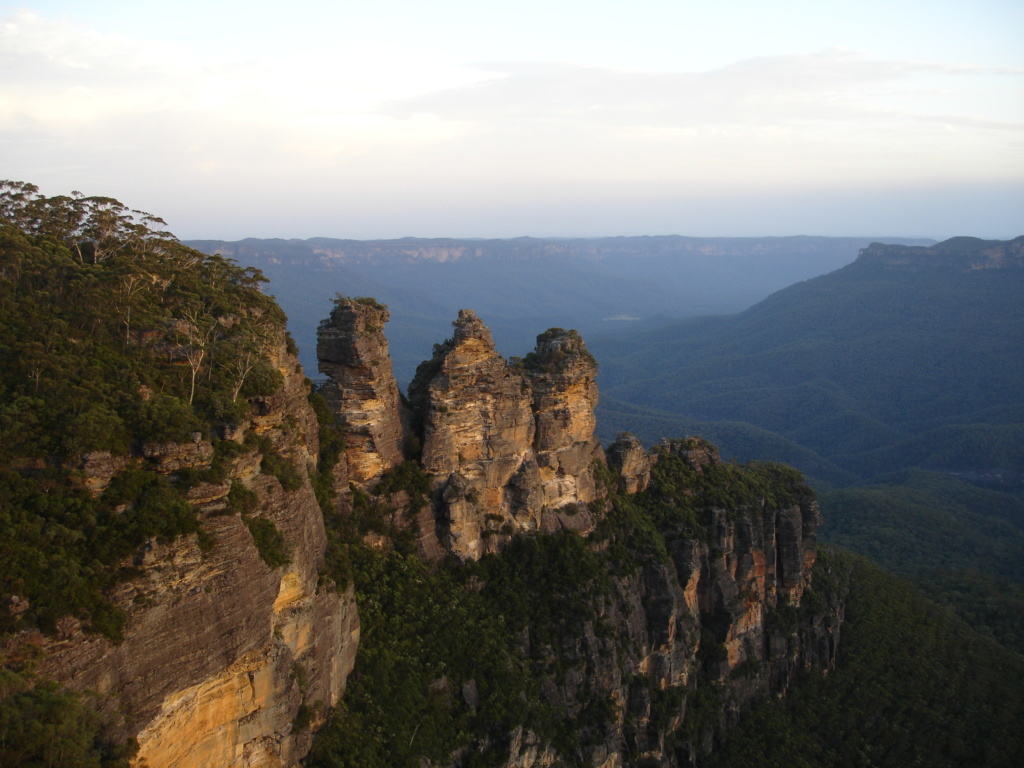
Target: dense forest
(872, 368)
(114, 336)
(914, 685)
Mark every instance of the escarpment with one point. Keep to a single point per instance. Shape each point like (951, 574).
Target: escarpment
(634, 601)
(685, 638)
(226, 659)
(689, 599)
(221, 650)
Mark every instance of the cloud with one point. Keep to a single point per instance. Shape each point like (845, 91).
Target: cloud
(252, 131)
(826, 86)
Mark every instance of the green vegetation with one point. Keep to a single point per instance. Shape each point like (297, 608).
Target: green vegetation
(962, 545)
(913, 686)
(368, 301)
(332, 443)
(162, 340)
(268, 540)
(425, 372)
(443, 660)
(61, 547)
(460, 654)
(112, 335)
(43, 726)
(408, 477)
(870, 368)
(554, 359)
(873, 380)
(273, 463)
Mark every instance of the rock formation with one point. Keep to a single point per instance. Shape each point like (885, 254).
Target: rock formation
(719, 613)
(563, 376)
(220, 651)
(230, 663)
(361, 387)
(509, 446)
(633, 464)
(477, 434)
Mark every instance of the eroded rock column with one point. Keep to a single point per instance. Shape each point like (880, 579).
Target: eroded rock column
(353, 353)
(477, 432)
(563, 376)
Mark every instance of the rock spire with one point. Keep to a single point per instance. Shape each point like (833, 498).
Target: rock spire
(361, 389)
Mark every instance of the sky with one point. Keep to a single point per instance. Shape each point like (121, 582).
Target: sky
(500, 119)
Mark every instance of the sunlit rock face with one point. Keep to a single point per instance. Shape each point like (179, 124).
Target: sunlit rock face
(477, 432)
(361, 389)
(563, 377)
(221, 651)
(510, 445)
(628, 458)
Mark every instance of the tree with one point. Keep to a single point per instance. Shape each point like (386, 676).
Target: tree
(249, 346)
(128, 289)
(196, 332)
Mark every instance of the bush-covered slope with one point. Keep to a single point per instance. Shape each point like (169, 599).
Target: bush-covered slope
(886, 363)
(913, 686)
(961, 544)
(908, 358)
(113, 336)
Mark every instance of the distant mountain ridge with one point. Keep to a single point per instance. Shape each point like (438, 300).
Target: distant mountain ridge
(591, 284)
(957, 253)
(327, 250)
(906, 357)
(897, 380)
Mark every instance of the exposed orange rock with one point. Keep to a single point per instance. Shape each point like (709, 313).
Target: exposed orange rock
(477, 433)
(510, 447)
(206, 672)
(353, 353)
(631, 461)
(563, 376)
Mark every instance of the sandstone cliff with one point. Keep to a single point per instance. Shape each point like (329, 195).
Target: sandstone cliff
(691, 630)
(223, 656)
(563, 377)
(683, 643)
(228, 661)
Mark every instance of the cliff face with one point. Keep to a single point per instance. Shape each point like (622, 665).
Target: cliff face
(563, 377)
(221, 652)
(715, 624)
(960, 254)
(508, 447)
(714, 621)
(227, 661)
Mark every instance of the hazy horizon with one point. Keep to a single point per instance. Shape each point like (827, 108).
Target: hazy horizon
(394, 119)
